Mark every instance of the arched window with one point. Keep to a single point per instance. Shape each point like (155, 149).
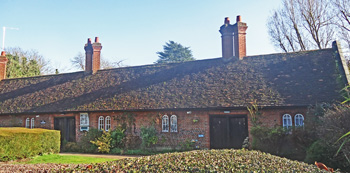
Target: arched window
(101, 122)
(173, 123)
(32, 123)
(287, 121)
(27, 122)
(165, 123)
(108, 123)
(299, 120)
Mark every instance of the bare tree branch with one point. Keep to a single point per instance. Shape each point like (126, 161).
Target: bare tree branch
(79, 62)
(302, 25)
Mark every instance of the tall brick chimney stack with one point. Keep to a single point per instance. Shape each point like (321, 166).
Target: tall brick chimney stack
(240, 38)
(96, 57)
(3, 63)
(233, 39)
(88, 56)
(93, 56)
(226, 31)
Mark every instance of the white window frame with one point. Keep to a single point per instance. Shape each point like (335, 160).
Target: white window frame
(107, 123)
(101, 123)
(288, 124)
(27, 125)
(173, 123)
(84, 119)
(32, 123)
(165, 123)
(299, 120)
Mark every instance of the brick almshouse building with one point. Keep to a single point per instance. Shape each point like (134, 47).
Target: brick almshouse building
(204, 101)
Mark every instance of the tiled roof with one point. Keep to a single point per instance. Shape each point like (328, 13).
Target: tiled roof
(292, 79)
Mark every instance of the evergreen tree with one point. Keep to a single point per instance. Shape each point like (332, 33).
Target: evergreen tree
(21, 67)
(174, 52)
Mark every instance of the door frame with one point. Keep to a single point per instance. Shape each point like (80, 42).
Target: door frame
(211, 116)
(66, 127)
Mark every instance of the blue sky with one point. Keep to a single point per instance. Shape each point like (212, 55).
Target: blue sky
(132, 31)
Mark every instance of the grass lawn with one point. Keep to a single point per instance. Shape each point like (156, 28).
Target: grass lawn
(55, 158)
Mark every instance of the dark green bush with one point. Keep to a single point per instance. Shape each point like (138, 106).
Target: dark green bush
(149, 136)
(291, 143)
(319, 152)
(17, 143)
(330, 126)
(71, 147)
(85, 145)
(269, 139)
(118, 136)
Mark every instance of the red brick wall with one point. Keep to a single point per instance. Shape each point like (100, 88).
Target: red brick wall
(187, 129)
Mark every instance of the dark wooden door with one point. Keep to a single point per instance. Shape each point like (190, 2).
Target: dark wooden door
(67, 127)
(228, 131)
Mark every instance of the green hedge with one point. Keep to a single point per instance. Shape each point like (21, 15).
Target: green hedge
(17, 143)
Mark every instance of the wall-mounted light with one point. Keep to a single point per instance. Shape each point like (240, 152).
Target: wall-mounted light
(189, 112)
(37, 116)
(42, 122)
(227, 112)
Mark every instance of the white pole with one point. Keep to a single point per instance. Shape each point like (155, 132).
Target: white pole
(3, 37)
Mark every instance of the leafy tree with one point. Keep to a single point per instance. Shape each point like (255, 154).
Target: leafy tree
(31, 57)
(21, 67)
(174, 52)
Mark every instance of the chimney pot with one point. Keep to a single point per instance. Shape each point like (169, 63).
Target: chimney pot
(238, 19)
(227, 20)
(97, 40)
(89, 41)
(3, 53)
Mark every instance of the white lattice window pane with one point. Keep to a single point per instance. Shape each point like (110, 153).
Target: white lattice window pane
(108, 123)
(27, 122)
(165, 124)
(287, 121)
(100, 123)
(32, 123)
(84, 119)
(173, 123)
(299, 120)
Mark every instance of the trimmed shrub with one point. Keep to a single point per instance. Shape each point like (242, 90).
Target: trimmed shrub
(17, 143)
(201, 161)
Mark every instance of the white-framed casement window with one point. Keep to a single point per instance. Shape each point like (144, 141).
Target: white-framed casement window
(32, 123)
(108, 123)
(101, 123)
(299, 120)
(27, 122)
(165, 123)
(287, 121)
(173, 123)
(84, 121)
